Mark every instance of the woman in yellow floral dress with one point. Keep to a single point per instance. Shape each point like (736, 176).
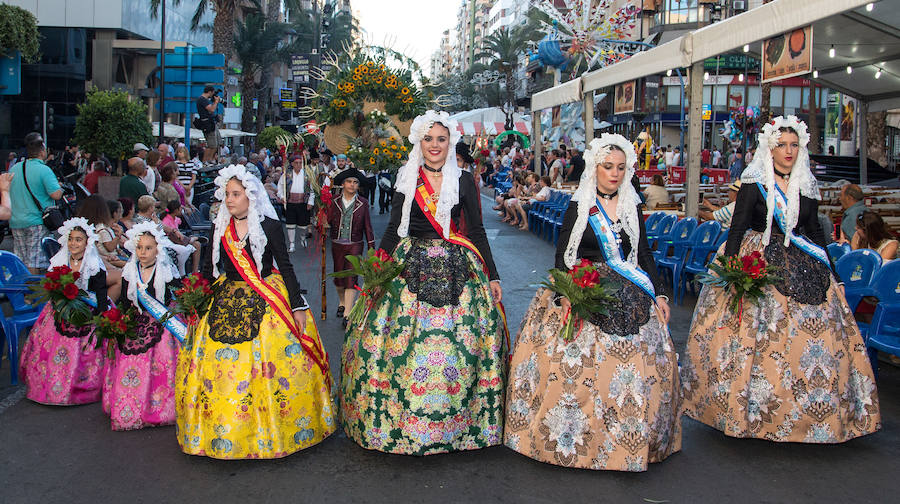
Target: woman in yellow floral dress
(250, 382)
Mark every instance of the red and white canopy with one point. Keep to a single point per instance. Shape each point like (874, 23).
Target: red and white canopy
(491, 128)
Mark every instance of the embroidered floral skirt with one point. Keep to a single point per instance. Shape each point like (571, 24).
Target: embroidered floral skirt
(425, 373)
(609, 399)
(790, 367)
(244, 386)
(61, 367)
(139, 380)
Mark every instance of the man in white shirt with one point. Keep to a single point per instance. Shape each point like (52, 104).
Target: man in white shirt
(670, 155)
(716, 158)
(556, 168)
(298, 201)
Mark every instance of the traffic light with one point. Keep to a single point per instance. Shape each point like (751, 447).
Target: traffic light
(49, 117)
(37, 123)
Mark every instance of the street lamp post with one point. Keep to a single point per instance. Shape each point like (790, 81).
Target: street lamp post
(162, 73)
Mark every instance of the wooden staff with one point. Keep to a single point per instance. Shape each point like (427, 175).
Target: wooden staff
(321, 228)
(324, 290)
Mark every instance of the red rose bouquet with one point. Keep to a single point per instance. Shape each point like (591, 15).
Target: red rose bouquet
(587, 292)
(115, 326)
(378, 269)
(192, 299)
(59, 289)
(482, 156)
(322, 200)
(748, 275)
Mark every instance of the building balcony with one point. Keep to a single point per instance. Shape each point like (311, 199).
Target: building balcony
(680, 15)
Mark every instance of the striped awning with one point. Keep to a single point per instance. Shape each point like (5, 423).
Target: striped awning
(490, 128)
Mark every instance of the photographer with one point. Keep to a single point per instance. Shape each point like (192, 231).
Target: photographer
(207, 104)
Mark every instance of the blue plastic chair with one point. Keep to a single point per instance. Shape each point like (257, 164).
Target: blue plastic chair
(538, 214)
(883, 333)
(856, 269)
(663, 228)
(552, 222)
(50, 247)
(679, 234)
(836, 251)
(703, 242)
(723, 237)
(652, 224)
(13, 326)
(13, 271)
(13, 279)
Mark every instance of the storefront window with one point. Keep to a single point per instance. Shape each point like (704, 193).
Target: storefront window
(791, 100)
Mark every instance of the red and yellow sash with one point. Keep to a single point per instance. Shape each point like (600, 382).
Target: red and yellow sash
(246, 266)
(425, 200)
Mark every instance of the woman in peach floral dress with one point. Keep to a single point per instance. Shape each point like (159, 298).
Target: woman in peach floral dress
(610, 398)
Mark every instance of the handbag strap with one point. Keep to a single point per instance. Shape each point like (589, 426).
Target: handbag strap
(25, 177)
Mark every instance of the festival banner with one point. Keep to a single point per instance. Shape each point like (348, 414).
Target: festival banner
(788, 54)
(847, 129)
(624, 98)
(832, 121)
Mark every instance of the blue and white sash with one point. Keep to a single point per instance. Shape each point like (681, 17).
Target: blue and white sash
(602, 227)
(158, 311)
(810, 248)
(91, 300)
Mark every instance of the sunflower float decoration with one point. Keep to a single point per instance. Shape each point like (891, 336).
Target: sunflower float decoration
(387, 154)
(366, 100)
(372, 74)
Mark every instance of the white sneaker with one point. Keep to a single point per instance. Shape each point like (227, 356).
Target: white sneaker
(291, 247)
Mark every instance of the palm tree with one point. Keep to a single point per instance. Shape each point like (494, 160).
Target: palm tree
(502, 50)
(256, 45)
(266, 79)
(342, 28)
(223, 22)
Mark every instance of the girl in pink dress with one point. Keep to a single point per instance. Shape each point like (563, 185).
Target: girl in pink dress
(59, 362)
(139, 385)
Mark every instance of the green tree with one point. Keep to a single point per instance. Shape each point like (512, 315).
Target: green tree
(19, 32)
(223, 22)
(109, 122)
(256, 45)
(502, 50)
(341, 29)
(270, 136)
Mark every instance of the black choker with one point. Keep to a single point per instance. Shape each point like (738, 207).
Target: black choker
(432, 170)
(607, 196)
(785, 176)
(240, 218)
(148, 267)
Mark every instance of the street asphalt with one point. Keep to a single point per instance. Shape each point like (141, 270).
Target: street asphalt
(70, 455)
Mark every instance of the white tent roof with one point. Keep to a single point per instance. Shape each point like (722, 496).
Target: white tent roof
(564, 93)
(865, 40)
(674, 54)
(176, 131)
(229, 133)
(484, 115)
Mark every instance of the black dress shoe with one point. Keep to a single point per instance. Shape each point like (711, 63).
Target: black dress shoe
(340, 312)
(344, 323)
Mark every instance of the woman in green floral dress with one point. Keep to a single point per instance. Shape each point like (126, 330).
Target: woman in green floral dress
(424, 372)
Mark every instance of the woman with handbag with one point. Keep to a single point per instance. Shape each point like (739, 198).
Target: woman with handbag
(33, 190)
